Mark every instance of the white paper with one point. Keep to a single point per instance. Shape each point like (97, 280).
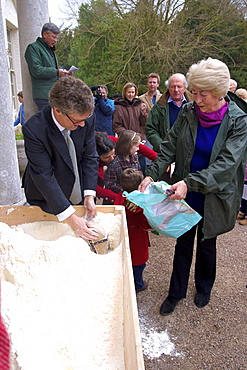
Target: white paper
(73, 68)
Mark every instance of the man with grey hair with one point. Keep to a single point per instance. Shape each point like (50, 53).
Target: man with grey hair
(62, 164)
(165, 112)
(233, 85)
(43, 65)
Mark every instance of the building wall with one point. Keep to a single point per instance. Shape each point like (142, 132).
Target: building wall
(11, 36)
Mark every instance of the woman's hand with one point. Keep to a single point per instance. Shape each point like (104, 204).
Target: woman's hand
(143, 108)
(180, 188)
(144, 184)
(81, 227)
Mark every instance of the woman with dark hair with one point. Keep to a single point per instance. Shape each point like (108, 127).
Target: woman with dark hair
(106, 151)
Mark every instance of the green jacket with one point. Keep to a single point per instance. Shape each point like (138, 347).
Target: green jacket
(222, 182)
(158, 123)
(43, 66)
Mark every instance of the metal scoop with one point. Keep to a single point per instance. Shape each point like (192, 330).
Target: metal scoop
(99, 245)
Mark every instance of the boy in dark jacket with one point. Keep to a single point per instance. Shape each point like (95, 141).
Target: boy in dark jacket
(137, 226)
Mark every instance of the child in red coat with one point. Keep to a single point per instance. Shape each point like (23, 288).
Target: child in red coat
(137, 226)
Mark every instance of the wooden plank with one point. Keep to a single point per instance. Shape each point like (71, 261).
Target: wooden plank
(132, 338)
(16, 215)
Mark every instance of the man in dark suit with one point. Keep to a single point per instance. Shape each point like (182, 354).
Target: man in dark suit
(50, 175)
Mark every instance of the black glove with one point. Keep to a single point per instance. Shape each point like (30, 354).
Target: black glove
(94, 88)
(98, 94)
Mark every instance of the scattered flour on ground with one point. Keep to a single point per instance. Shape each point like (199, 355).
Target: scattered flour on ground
(155, 343)
(62, 303)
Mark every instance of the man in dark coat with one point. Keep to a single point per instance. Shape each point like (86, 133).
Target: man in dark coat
(50, 174)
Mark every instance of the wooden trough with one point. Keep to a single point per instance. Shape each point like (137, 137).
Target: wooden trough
(133, 356)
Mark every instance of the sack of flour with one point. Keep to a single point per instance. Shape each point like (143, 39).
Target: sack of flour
(167, 216)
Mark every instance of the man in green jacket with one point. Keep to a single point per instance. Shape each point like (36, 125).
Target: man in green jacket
(43, 65)
(165, 112)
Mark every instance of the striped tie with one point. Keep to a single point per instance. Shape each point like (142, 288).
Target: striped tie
(75, 196)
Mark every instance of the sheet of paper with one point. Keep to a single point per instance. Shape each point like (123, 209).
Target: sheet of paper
(73, 68)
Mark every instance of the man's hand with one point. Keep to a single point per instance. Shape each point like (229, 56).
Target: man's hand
(81, 227)
(144, 184)
(180, 188)
(63, 72)
(90, 206)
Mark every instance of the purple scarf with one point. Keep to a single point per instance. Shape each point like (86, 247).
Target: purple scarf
(213, 118)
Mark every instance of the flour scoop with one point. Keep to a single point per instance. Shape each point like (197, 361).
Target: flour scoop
(100, 245)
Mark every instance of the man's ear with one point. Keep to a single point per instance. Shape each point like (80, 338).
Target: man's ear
(57, 113)
(57, 110)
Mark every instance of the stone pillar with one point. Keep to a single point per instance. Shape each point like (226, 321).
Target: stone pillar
(10, 190)
(31, 17)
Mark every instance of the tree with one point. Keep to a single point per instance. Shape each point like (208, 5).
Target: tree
(218, 30)
(64, 47)
(120, 41)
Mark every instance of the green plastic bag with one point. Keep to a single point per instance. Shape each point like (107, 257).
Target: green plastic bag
(167, 216)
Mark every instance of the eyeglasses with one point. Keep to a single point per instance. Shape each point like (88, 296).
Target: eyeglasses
(78, 122)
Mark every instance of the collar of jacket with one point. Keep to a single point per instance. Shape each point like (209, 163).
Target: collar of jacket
(41, 41)
(240, 102)
(124, 102)
(164, 98)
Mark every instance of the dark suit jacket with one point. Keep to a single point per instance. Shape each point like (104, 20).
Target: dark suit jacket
(49, 178)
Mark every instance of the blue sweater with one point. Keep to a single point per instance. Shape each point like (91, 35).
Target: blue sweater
(173, 111)
(21, 116)
(104, 109)
(204, 143)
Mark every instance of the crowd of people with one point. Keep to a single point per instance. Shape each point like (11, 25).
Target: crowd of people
(85, 143)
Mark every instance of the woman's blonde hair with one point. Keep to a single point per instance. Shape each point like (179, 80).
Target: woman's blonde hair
(210, 75)
(127, 139)
(127, 86)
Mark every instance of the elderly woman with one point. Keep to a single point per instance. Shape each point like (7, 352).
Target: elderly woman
(208, 145)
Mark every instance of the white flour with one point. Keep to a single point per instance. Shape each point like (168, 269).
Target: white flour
(62, 303)
(155, 343)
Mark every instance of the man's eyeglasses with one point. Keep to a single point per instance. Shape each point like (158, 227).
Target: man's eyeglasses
(78, 122)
